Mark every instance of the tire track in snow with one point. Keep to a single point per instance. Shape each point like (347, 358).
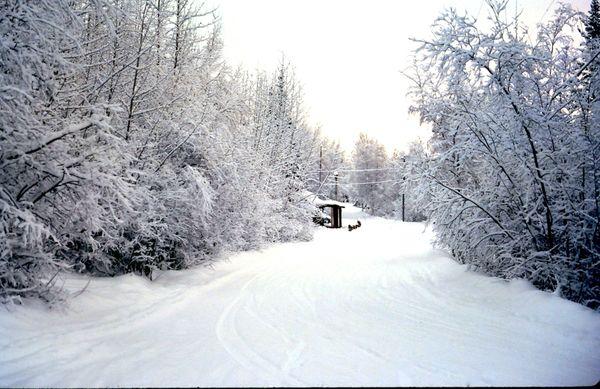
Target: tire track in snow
(239, 349)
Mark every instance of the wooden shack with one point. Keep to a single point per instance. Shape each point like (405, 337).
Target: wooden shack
(335, 214)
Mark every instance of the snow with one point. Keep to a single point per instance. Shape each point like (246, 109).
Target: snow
(314, 199)
(375, 306)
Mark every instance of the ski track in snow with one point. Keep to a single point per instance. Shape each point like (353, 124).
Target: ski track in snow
(375, 306)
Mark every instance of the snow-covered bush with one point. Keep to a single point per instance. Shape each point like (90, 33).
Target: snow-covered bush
(56, 159)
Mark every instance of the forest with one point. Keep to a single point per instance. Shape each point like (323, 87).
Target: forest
(128, 144)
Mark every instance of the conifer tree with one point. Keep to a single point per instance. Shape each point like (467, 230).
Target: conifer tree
(592, 25)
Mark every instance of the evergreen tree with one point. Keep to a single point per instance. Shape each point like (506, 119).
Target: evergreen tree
(592, 25)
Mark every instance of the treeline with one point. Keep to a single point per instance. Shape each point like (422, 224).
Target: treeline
(511, 179)
(127, 144)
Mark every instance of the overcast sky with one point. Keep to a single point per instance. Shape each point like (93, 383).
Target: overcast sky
(348, 55)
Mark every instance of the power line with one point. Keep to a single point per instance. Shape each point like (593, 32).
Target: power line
(363, 183)
(356, 170)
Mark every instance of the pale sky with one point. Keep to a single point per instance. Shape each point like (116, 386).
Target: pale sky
(348, 55)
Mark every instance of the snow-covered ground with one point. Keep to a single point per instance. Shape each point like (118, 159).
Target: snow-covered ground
(375, 306)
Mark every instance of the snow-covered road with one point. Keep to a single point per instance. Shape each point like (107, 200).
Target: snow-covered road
(375, 306)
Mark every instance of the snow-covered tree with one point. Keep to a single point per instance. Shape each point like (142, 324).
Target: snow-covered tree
(371, 176)
(405, 194)
(329, 158)
(512, 176)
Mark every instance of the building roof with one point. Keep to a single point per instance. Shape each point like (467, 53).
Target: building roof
(332, 204)
(322, 202)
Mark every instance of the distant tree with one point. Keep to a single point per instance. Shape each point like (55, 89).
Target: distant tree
(328, 158)
(370, 180)
(406, 175)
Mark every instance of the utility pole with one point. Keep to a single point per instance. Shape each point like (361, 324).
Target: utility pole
(403, 185)
(402, 206)
(320, 166)
(335, 174)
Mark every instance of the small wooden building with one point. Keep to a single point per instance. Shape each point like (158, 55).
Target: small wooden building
(335, 214)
